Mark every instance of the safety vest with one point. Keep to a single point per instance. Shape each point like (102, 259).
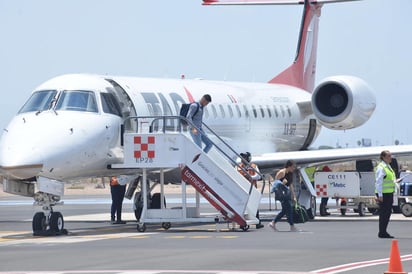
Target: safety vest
(250, 170)
(310, 171)
(388, 184)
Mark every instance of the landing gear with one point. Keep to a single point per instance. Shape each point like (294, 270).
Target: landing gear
(48, 222)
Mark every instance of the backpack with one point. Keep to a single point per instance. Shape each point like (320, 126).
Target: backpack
(300, 214)
(184, 109)
(282, 192)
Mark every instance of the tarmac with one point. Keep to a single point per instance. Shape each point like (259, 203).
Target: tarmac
(333, 244)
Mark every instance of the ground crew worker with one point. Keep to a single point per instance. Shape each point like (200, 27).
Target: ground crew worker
(324, 201)
(253, 177)
(118, 191)
(384, 189)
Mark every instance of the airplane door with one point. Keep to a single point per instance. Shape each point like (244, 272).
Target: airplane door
(311, 134)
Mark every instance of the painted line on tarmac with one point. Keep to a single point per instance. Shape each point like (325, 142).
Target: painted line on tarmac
(12, 239)
(357, 265)
(154, 272)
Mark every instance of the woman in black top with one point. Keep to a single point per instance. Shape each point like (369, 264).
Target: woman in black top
(285, 175)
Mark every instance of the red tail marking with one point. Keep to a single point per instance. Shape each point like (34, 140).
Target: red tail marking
(302, 72)
(189, 95)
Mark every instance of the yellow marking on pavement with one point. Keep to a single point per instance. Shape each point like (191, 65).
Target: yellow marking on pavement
(140, 237)
(227, 237)
(200, 237)
(175, 237)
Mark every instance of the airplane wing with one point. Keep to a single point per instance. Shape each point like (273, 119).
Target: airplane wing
(269, 2)
(317, 157)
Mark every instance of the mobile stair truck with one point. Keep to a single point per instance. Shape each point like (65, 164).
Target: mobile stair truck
(162, 144)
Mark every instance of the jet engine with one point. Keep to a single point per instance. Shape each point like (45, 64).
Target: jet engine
(343, 102)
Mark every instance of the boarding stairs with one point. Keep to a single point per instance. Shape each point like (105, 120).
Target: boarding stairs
(162, 143)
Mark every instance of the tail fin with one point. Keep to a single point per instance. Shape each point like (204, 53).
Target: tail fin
(303, 70)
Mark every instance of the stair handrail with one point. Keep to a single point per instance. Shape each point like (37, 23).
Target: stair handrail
(191, 124)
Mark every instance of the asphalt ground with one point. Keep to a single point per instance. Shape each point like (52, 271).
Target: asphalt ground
(93, 245)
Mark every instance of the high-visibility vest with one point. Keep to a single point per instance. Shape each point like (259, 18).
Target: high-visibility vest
(388, 184)
(310, 171)
(250, 170)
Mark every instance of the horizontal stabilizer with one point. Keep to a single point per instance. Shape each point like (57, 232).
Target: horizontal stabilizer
(269, 2)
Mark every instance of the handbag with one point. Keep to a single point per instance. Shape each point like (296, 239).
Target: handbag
(282, 192)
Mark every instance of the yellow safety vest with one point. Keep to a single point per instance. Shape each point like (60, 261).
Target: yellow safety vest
(388, 184)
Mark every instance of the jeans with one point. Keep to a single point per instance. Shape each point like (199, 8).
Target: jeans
(287, 209)
(200, 137)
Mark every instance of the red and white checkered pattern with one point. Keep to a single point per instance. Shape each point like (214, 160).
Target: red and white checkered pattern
(144, 147)
(322, 190)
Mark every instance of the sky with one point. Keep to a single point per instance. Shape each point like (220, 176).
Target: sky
(370, 39)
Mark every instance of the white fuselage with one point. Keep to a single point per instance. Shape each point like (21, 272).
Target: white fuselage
(65, 141)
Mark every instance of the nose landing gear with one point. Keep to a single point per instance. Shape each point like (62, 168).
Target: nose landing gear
(47, 222)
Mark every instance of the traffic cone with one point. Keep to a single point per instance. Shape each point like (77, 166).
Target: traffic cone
(395, 264)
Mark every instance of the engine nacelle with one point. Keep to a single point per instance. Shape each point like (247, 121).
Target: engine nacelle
(343, 102)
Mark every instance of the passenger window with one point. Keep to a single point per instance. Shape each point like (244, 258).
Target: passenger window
(222, 111)
(262, 111)
(110, 104)
(254, 111)
(282, 109)
(230, 111)
(269, 111)
(214, 111)
(239, 113)
(289, 111)
(77, 100)
(39, 101)
(276, 111)
(246, 111)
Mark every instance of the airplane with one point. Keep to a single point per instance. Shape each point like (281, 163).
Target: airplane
(70, 127)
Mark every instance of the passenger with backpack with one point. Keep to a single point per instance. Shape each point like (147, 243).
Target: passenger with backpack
(195, 116)
(284, 180)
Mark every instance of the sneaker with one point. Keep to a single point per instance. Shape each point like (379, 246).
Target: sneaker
(120, 222)
(273, 226)
(294, 229)
(259, 226)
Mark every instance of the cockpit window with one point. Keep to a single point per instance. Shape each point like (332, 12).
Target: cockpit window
(110, 104)
(39, 101)
(77, 100)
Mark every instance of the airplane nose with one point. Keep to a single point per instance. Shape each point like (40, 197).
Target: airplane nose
(21, 157)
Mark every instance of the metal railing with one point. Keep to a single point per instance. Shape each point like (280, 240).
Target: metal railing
(182, 127)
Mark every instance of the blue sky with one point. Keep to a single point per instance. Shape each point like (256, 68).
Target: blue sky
(371, 39)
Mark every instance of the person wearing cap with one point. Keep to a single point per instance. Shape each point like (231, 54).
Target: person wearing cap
(252, 175)
(195, 116)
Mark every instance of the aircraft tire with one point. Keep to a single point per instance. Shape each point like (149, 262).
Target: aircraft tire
(39, 222)
(56, 222)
